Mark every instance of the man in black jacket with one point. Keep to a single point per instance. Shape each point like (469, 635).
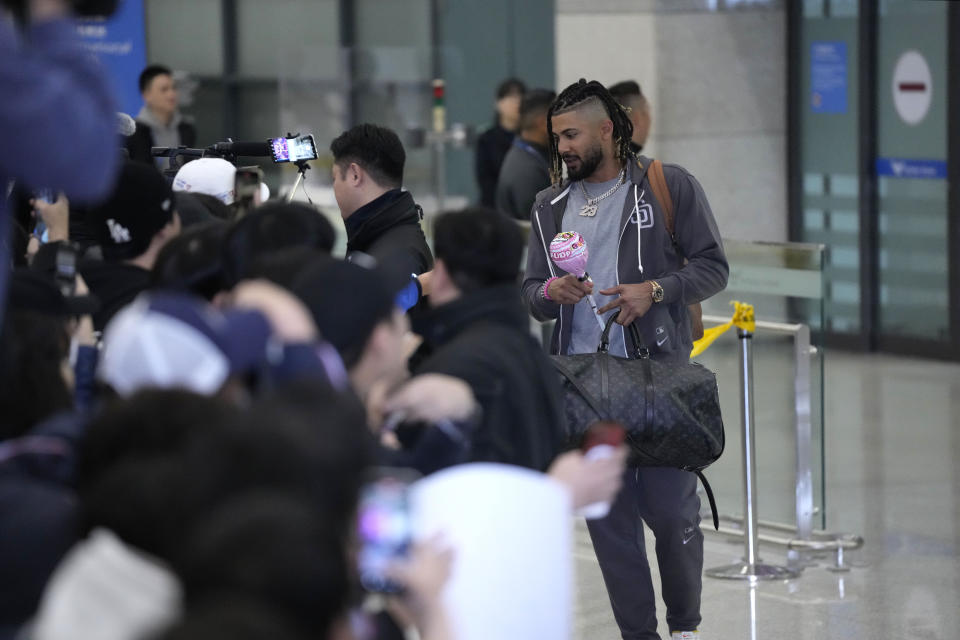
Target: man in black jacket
(382, 220)
(526, 167)
(478, 332)
(159, 123)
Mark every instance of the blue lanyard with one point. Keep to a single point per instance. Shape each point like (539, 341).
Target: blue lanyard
(529, 148)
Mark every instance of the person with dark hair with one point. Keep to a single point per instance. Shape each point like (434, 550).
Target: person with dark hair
(526, 167)
(477, 331)
(152, 467)
(274, 547)
(639, 269)
(159, 123)
(38, 426)
(493, 144)
(629, 95)
(231, 616)
(355, 310)
(271, 228)
(133, 225)
(382, 220)
(193, 262)
(37, 379)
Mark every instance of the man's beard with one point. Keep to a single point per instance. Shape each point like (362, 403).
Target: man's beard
(588, 163)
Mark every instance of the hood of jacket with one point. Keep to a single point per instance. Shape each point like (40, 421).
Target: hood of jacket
(107, 590)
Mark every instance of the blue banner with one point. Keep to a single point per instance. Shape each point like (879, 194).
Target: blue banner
(912, 168)
(120, 43)
(828, 77)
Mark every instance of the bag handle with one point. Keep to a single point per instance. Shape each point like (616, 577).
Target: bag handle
(640, 350)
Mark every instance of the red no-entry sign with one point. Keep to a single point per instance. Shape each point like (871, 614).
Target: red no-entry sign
(912, 87)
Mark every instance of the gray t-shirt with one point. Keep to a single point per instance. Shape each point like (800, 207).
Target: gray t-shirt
(602, 234)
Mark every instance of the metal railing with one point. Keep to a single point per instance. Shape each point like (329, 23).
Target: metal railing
(806, 540)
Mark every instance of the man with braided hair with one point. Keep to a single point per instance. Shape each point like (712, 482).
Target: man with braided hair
(639, 270)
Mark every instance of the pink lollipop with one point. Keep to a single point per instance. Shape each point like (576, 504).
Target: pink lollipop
(568, 250)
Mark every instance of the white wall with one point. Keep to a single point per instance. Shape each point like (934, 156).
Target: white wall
(717, 86)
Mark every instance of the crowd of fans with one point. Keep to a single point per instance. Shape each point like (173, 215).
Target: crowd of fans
(193, 396)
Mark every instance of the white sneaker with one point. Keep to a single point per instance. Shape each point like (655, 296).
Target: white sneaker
(685, 635)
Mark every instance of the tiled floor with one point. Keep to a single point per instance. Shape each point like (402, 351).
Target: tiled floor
(892, 475)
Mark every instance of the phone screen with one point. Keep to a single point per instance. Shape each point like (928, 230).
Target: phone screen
(247, 183)
(384, 529)
(293, 149)
(66, 275)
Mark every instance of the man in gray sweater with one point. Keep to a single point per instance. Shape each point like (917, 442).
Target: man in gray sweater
(638, 267)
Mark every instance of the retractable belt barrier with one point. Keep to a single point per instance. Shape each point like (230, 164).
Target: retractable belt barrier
(752, 568)
(743, 318)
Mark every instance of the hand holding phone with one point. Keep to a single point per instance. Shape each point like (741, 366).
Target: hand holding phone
(66, 274)
(52, 213)
(384, 529)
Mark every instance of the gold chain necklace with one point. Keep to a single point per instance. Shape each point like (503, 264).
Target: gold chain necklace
(590, 209)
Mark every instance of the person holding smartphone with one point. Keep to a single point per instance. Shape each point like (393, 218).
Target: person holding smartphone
(55, 97)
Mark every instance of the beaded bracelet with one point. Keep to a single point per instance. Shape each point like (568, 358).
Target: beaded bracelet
(546, 287)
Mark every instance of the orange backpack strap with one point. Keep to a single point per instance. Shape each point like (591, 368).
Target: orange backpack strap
(658, 182)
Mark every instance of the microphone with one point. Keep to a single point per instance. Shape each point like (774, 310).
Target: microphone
(248, 149)
(126, 126)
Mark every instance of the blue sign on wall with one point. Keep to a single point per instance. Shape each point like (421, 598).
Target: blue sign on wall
(828, 77)
(911, 168)
(120, 43)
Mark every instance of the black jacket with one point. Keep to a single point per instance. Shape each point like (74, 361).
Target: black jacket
(524, 174)
(484, 339)
(139, 144)
(492, 147)
(388, 229)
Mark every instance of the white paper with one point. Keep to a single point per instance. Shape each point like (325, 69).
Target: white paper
(511, 532)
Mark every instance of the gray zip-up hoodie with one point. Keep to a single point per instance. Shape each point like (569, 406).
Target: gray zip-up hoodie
(646, 252)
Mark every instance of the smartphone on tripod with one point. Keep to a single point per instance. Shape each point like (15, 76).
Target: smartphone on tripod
(293, 149)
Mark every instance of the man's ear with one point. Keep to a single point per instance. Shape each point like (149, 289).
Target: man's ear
(355, 175)
(606, 129)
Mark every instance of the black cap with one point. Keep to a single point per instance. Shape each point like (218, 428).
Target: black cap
(33, 291)
(141, 205)
(346, 300)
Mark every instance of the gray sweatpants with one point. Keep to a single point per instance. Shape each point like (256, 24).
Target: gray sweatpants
(666, 499)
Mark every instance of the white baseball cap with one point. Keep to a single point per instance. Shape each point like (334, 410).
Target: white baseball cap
(212, 176)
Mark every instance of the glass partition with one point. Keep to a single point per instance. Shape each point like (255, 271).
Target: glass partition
(785, 284)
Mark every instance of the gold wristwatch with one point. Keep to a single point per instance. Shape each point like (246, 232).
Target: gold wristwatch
(657, 291)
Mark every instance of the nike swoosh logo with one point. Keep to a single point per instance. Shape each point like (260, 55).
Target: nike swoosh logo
(660, 344)
(686, 540)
